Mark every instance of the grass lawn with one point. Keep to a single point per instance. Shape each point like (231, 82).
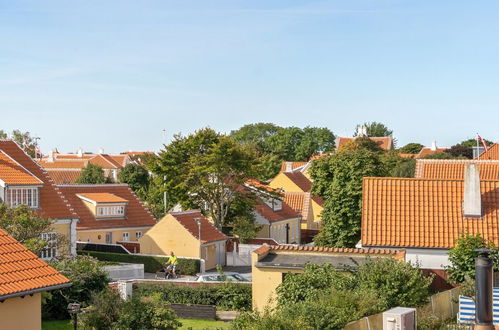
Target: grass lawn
(186, 324)
(203, 324)
(57, 325)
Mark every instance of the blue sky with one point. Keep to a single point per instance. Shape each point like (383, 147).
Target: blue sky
(114, 74)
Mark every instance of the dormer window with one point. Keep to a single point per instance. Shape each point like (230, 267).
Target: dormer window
(15, 196)
(105, 205)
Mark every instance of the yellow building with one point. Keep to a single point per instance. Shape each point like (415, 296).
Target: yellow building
(108, 213)
(23, 277)
(271, 263)
(297, 194)
(188, 234)
(24, 182)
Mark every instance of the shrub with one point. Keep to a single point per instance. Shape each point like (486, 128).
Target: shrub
(108, 311)
(151, 264)
(87, 277)
(226, 296)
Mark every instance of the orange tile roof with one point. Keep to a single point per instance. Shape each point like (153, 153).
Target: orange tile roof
(104, 161)
(63, 176)
(273, 216)
(64, 164)
(298, 201)
(136, 214)
(292, 165)
(454, 168)
(103, 197)
(384, 142)
(268, 248)
(423, 213)
(66, 161)
(11, 172)
(491, 154)
(52, 202)
(209, 233)
(22, 272)
(258, 184)
(426, 151)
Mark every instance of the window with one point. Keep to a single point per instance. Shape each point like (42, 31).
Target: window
(107, 211)
(138, 234)
(125, 237)
(50, 251)
(22, 196)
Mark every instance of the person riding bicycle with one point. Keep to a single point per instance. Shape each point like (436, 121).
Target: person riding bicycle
(171, 264)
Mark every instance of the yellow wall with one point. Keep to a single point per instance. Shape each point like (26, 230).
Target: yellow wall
(93, 235)
(281, 181)
(169, 235)
(64, 230)
(90, 206)
(21, 313)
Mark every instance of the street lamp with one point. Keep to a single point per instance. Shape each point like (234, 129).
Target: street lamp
(198, 220)
(74, 309)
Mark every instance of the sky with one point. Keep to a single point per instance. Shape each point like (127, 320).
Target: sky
(118, 74)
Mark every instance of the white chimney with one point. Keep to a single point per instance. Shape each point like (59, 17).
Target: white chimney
(289, 166)
(472, 205)
(434, 146)
(101, 151)
(52, 155)
(79, 152)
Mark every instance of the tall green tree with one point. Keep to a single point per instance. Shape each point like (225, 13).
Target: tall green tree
(472, 143)
(375, 129)
(411, 148)
(137, 177)
(343, 193)
(205, 170)
(256, 134)
(92, 174)
(27, 227)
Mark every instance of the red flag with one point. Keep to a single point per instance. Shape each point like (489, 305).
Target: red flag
(479, 138)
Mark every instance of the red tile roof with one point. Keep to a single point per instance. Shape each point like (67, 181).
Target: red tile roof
(52, 202)
(300, 180)
(64, 164)
(102, 197)
(426, 151)
(491, 154)
(73, 161)
(454, 168)
(11, 172)
(423, 213)
(136, 214)
(292, 165)
(209, 233)
(304, 248)
(298, 201)
(21, 271)
(273, 216)
(64, 176)
(384, 142)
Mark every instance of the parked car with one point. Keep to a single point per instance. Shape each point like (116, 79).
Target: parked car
(217, 277)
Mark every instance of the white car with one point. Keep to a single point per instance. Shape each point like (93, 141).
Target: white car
(225, 277)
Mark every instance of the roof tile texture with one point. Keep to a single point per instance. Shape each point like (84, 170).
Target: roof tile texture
(11, 172)
(137, 215)
(423, 213)
(491, 154)
(209, 233)
(21, 270)
(52, 204)
(103, 197)
(454, 168)
(384, 142)
(64, 176)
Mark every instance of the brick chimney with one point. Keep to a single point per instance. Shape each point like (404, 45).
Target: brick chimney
(472, 205)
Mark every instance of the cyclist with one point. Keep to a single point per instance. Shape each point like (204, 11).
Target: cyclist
(171, 264)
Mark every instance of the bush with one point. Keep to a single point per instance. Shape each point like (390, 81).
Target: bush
(226, 296)
(151, 264)
(108, 311)
(87, 277)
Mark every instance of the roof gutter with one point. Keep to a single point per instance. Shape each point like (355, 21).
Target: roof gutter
(30, 292)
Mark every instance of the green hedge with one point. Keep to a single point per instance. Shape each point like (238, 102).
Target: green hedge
(225, 296)
(151, 264)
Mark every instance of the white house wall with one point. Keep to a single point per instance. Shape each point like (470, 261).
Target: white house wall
(428, 258)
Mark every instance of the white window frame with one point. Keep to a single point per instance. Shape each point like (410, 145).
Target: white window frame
(107, 211)
(28, 196)
(49, 252)
(138, 234)
(125, 238)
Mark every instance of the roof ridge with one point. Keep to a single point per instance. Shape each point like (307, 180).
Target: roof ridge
(73, 185)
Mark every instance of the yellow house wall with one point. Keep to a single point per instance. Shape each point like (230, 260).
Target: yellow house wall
(317, 211)
(90, 206)
(281, 181)
(21, 313)
(64, 230)
(169, 235)
(84, 235)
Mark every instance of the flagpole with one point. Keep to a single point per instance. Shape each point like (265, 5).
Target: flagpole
(477, 147)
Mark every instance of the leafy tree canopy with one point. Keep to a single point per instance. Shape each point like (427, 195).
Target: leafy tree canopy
(374, 129)
(205, 170)
(462, 257)
(460, 151)
(137, 177)
(27, 227)
(92, 174)
(411, 148)
(439, 155)
(472, 143)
